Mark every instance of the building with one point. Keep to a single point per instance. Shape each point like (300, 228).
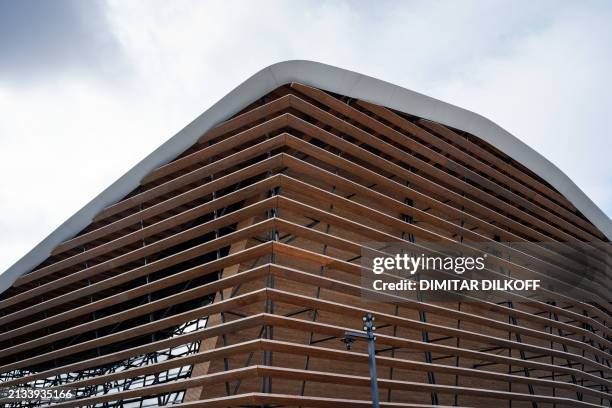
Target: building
(224, 269)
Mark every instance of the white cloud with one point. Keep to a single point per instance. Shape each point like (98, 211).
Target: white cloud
(553, 91)
(541, 70)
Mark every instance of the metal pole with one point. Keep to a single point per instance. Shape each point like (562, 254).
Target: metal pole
(352, 336)
(373, 376)
(369, 327)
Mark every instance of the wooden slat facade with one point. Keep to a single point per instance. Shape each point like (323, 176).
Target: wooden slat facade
(229, 276)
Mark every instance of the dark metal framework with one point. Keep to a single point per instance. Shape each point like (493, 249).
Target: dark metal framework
(123, 384)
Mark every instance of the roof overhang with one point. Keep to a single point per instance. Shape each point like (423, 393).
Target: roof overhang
(331, 79)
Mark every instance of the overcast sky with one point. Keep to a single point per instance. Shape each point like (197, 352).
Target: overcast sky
(89, 88)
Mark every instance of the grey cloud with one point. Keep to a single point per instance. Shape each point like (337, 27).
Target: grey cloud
(40, 38)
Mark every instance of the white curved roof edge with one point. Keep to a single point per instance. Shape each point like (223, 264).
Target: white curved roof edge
(335, 80)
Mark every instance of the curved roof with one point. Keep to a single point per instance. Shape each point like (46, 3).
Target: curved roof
(331, 79)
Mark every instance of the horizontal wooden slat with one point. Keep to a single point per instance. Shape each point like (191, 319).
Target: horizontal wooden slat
(439, 158)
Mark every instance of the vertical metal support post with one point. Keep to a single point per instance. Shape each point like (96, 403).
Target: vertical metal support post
(372, 363)
(351, 336)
